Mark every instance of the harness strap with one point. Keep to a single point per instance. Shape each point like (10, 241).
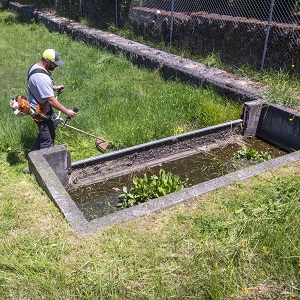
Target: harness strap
(40, 116)
(38, 70)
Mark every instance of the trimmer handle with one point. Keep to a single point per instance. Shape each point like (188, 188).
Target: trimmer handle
(75, 109)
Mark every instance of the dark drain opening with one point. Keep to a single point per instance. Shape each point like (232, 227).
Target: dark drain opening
(99, 199)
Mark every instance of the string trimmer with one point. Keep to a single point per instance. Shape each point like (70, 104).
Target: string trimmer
(21, 107)
(101, 143)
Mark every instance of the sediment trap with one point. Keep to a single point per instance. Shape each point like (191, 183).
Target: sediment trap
(62, 179)
(52, 167)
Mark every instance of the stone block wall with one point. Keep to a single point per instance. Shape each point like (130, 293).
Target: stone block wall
(238, 40)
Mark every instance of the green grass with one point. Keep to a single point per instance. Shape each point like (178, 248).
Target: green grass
(126, 105)
(282, 86)
(239, 242)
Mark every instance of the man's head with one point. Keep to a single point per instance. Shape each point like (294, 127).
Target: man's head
(51, 58)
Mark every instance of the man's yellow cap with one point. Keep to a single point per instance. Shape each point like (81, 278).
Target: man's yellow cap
(53, 56)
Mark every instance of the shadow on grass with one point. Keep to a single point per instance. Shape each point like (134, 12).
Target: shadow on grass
(20, 154)
(15, 157)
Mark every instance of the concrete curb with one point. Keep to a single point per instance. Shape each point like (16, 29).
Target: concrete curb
(187, 194)
(40, 165)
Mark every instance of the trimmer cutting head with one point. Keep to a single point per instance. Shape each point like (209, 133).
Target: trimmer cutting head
(101, 144)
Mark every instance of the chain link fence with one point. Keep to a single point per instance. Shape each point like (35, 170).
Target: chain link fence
(259, 32)
(262, 33)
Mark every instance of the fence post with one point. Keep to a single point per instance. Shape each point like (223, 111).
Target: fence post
(80, 8)
(172, 22)
(267, 34)
(116, 3)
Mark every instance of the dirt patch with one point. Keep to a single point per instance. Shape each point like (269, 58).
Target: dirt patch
(109, 168)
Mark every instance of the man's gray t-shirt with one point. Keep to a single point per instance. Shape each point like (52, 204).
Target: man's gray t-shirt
(40, 87)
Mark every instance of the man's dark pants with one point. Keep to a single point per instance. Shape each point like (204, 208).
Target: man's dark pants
(46, 135)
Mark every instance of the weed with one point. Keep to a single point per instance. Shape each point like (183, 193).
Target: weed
(252, 154)
(213, 60)
(147, 188)
(282, 89)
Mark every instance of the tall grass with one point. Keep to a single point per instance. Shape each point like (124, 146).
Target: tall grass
(115, 99)
(240, 242)
(281, 86)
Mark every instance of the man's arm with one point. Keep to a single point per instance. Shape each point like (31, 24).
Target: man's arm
(57, 105)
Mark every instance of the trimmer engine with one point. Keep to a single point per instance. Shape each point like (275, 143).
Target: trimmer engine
(21, 106)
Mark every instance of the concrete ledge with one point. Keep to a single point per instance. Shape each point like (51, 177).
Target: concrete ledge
(56, 191)
(25, 10)
(52, 185)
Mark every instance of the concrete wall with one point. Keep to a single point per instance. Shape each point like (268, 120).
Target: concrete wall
(279, 126)
(238, 40)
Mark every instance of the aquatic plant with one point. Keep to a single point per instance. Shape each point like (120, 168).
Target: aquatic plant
(252, 154)
(146, 188)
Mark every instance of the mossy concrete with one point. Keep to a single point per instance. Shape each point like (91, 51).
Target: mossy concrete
(51, 177)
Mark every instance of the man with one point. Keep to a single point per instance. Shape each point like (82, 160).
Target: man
(41, 98)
